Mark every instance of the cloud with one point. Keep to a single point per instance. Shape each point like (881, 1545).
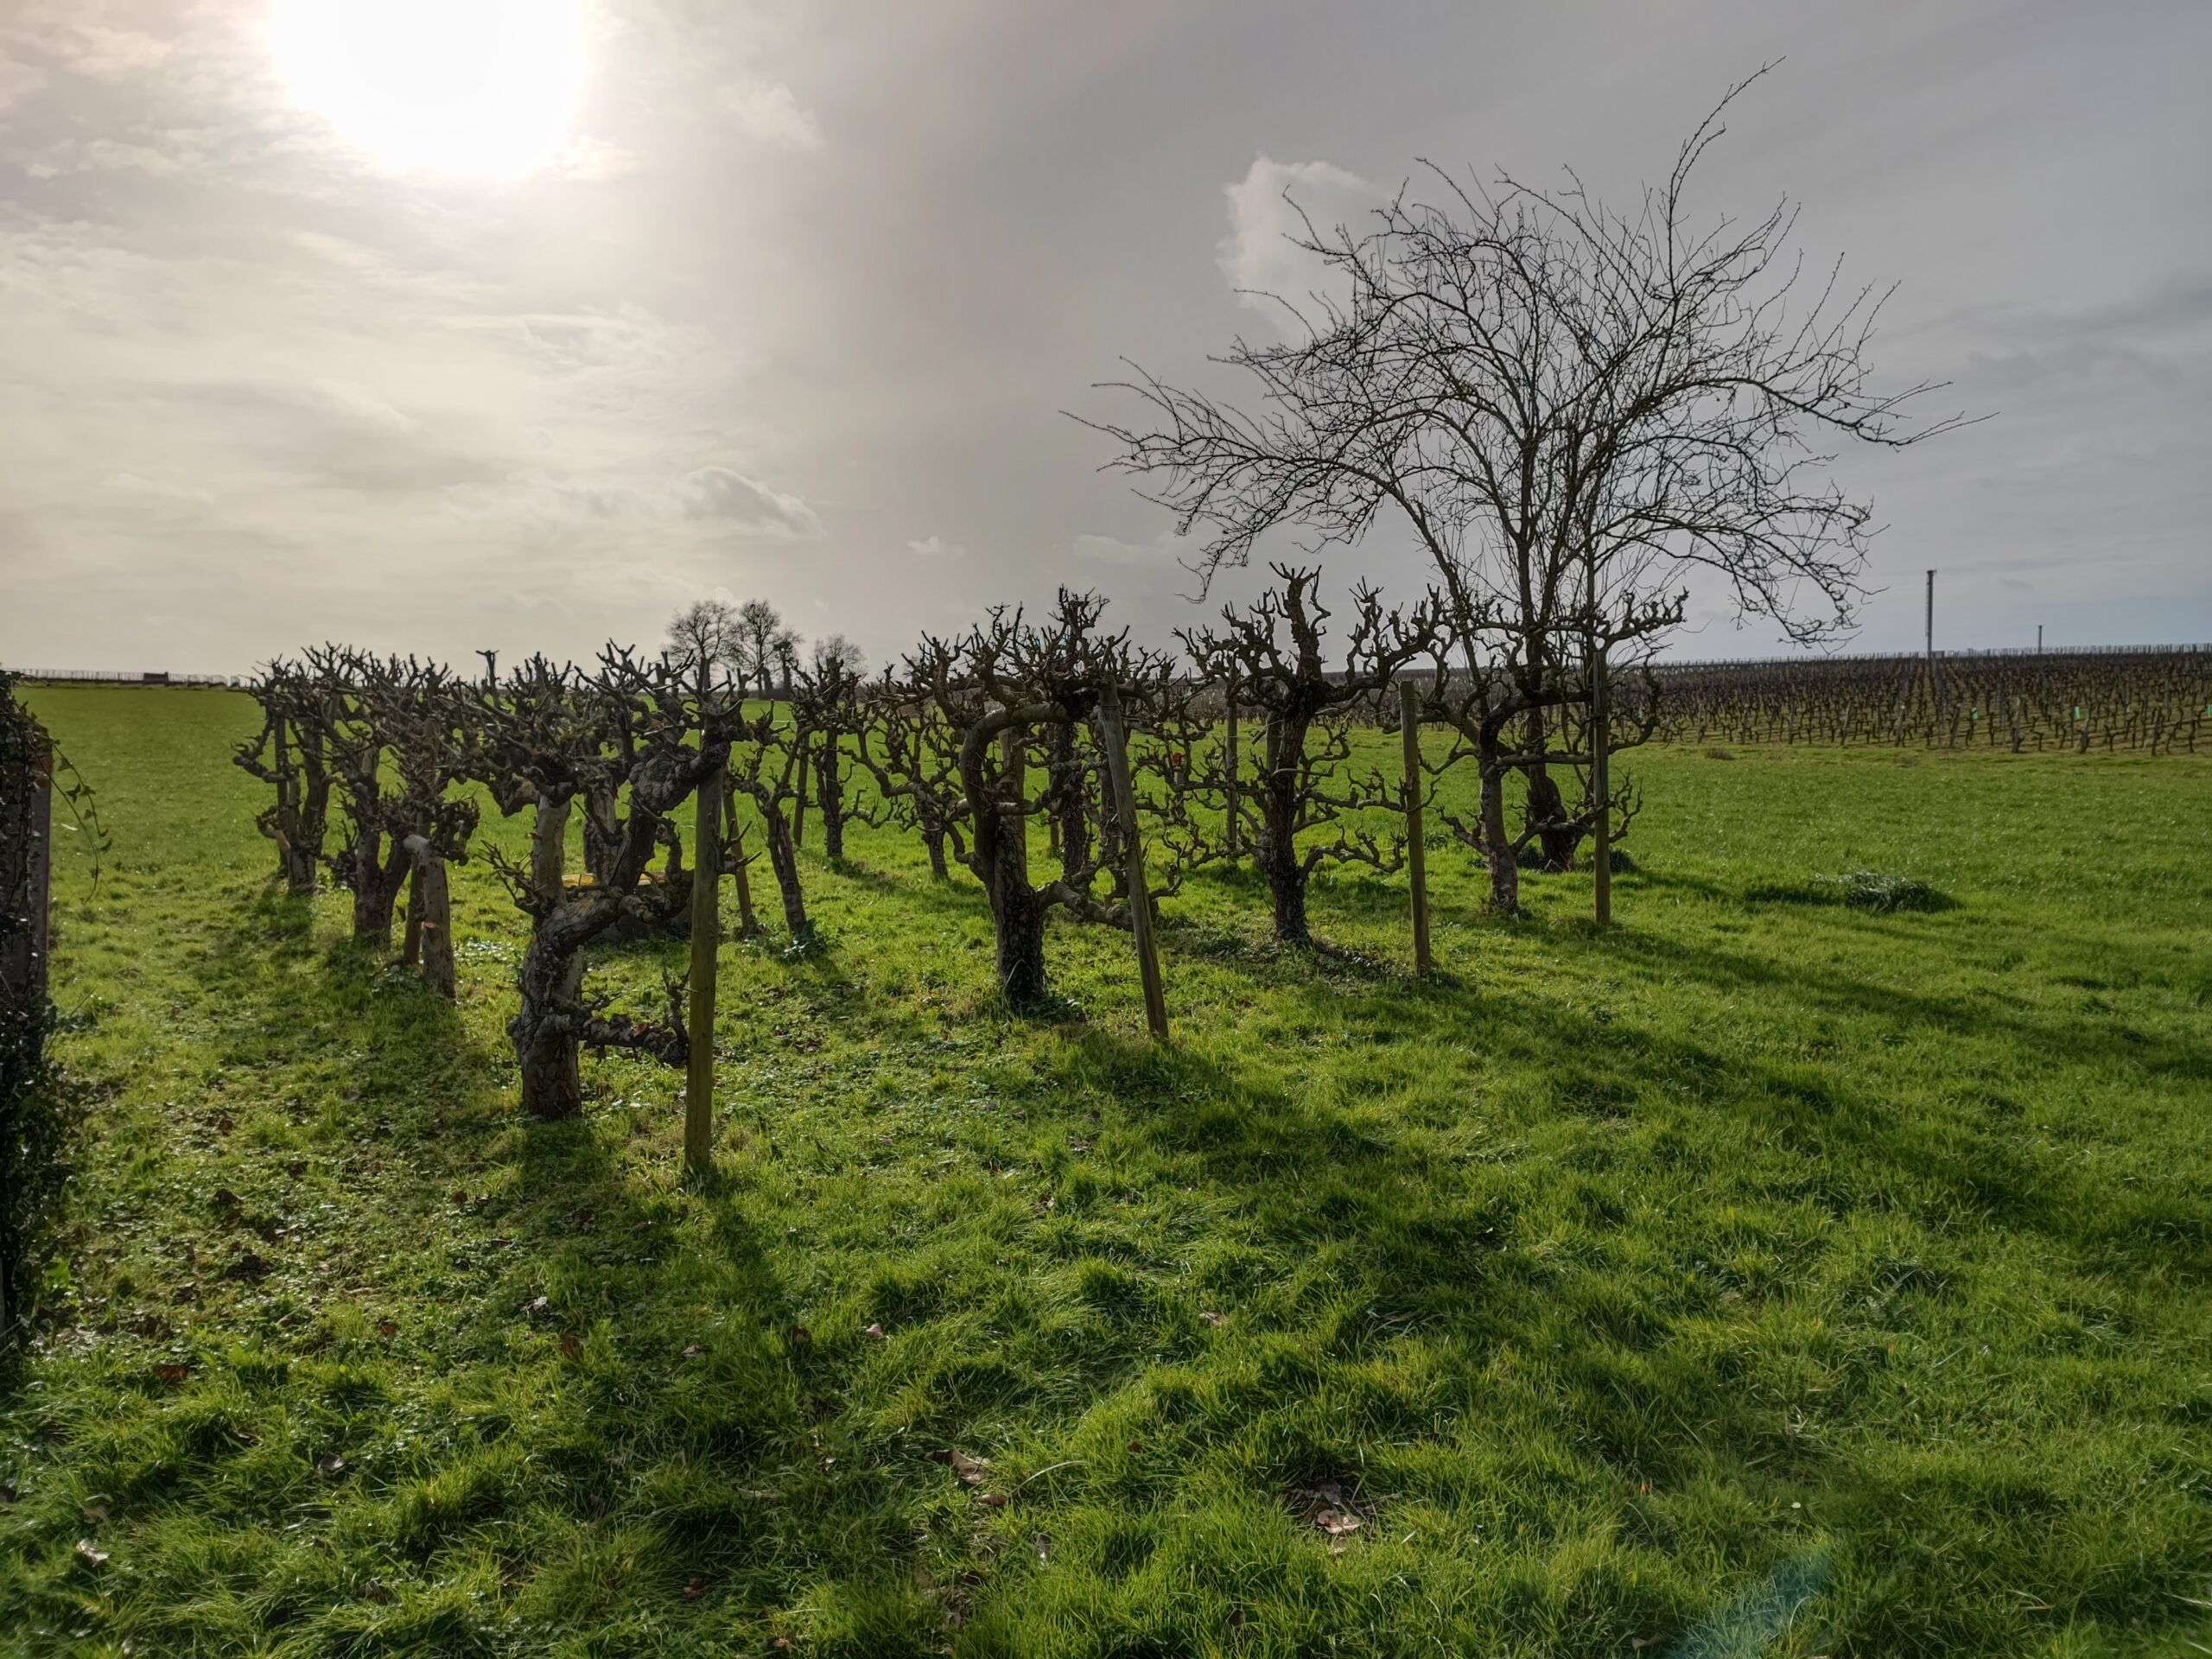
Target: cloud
(594, 160)
(936, 547)
(767, 112)
(17, 80)
(719, 493)
(1256, 256)
(110, 54)
(1108, 549)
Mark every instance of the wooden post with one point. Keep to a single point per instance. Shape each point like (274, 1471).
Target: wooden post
(1234, 831)
(1015, 760)
(798, 811)
(747, 923)
(1601, 784)
(411, 947)
(285, 820)
(705, 943)
(1125, 808)
(1416, 851)
(429, 917)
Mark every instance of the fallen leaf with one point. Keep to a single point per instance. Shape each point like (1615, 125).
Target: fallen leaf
(386, 1328)
(460, 1195)
(994, 1500)
(972, 1472)
(171, 1371)
(875, 1333)
(1211, 1317)
(799, 1336)
(693, 1352)
(320, 1545)
(225, 1123)
(1043, 1546)
(331, 1464)
(296, 1168)
(538, 1306)
(572, 1345)
(186, 1293)
(94, 1514)
(697, 1588)
(93, 1556)
(226, 1199)
(1335, 1523)
(373, 1590)
(1137, 1445)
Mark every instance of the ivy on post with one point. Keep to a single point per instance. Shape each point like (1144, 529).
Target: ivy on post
(1416, 852)
(705, 943)
(1125, 808)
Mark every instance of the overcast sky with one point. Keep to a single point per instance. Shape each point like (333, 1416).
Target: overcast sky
(789, 302)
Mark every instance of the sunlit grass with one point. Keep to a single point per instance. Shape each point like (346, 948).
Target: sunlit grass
(1769, 1275)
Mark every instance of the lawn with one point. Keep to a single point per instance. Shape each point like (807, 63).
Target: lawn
(1769, 1275)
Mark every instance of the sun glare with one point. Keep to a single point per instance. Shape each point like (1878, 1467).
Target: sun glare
(473, 86)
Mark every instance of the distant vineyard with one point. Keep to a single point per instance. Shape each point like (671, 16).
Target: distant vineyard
(2157, 699)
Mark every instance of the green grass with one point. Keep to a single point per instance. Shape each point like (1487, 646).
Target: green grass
(1770, 1276)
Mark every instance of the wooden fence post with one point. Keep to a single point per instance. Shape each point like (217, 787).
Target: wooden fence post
(410, 944)
(798, 809)
(1235, 831)
(429, 917)
(1601, 786)
(1125, 808)
(706, 944)
(1416, 849)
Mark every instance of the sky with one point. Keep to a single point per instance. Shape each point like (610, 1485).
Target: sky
(435, 325)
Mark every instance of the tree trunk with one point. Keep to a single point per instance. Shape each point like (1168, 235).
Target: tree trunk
(1498, 844)
(543, 1030)
(830, 786)
(933, 837)
(783, 859)
(1017, 919)
(1277, 852)
(602, 832)
(374, 893)
(549, 848)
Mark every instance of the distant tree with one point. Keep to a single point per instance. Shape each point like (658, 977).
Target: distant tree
(709, 633)
(1568, 408)
(760, 646)
(532, 742)
(1302, 779)
(829, 712)
(1000, 689)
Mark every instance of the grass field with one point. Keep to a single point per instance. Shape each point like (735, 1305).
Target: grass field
(1770, 1276)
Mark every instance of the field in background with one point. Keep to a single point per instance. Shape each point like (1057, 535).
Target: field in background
(1767, 1276)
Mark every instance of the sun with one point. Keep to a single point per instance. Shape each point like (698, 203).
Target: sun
(485, 88)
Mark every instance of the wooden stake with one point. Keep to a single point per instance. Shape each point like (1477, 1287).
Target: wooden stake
(798, 809)
(1601, 784)
(706, 944)
(429, 917)
(1416, 849)
(1125, 807)
(1234, 830)
(410, 948)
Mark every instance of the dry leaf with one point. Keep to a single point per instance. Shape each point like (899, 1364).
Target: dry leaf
(875, 1333)
(538, 1306)
(799, 1336)
(1137, 1445)
(386, 1328)
(94, 1514)
(572, 1345)
(993, 1500)
(1211, 1317)
(693, 1352)
(94, 1557)
(697, 1588)
(1044, 1547)
(972, 1472)
(171, 1372)
(331, 1464)
(373, 1590)
(186, 1293)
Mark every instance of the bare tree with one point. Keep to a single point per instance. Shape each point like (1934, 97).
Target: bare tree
(1568, 408)
(708, 635)
(828, 714)
(761, 644)
(288, 753)
(998, 688)
(913, 753)
(391, 731)
(1304, 780)
(533, 740)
